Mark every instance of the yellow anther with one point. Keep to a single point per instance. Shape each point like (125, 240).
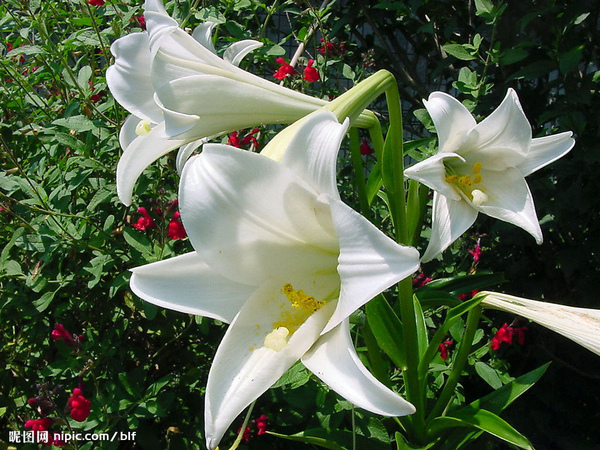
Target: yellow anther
(299, 299)
(465, 180)
(451, 178)
(143, 128)
(477, 167)
(277, 339)
(477, 178)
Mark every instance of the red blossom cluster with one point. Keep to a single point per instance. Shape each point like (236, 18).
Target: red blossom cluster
(261, 423)
(329, 48)
(285, 70)
(79, 405)
(175, 228)
(235, 140)
(96, 2)
(506, 334)
(145, 222)
(421, 280)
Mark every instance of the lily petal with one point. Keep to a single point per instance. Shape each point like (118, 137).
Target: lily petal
(581, 325)
(508, 198)
(432, 173)
(129, 77)
(503, 138)
(255, 217)
(185, 152)
(238, 50)
(312, 154)
(187, 284)
(140, 153)
(244, 367)
(128, 133)
(203, 35)
(369, 261)
(334, 360)
(546, 150)
(449, 221)
(224, 104)
(451, 119)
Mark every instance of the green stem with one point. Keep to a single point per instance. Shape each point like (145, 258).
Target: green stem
(240, 435)
(458, 364)
(359, 175)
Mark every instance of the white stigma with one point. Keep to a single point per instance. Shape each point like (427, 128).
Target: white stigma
(479, 198)
(143, 128)
(277, 339)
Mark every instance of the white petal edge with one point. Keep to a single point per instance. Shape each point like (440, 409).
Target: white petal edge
(502, 139)
(243, 369)
(127, 134)
(450, 219)
(333, 359)
(510, 200)
(187, 284)
(186, 151)
(369, 261)
(238, 50)
(129, 77)
(203, 35)
(138, 155)
(546, 150)
(451, 118)
(581, 325)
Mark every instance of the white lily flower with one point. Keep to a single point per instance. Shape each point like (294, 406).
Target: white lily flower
(581, 325)
(179, 92)
(285, 261)
(481, 167)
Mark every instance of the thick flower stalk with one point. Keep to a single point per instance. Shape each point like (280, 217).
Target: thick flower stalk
(481, 167)
(280, 257)
(581, 325)
(179, 91)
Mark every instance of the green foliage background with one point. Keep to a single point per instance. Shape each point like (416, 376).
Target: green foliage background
(67, 242)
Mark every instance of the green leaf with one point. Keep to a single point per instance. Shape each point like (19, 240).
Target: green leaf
(138, 241)
(484, 8)
(567, 62)
(154, 388)
(77, 123)
(466, 283)
(333, 439)
(459, 51)
(483, 420)
(489, 375)
(498, 400)
(387, 329)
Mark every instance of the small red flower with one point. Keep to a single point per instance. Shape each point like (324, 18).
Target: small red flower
(506, 334)
(176, 230)
(39, 424)
(310, 73)
(284, 70)
(327, 47)
(80, 406)
(468, 295)
(144, 222)
(96, 2)
(262, 424)
(142, 21)
(476, 252)
(365, 148)
(246, 435)
(234, 139)
(443, 349)
(421, 280)
(60, 333)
